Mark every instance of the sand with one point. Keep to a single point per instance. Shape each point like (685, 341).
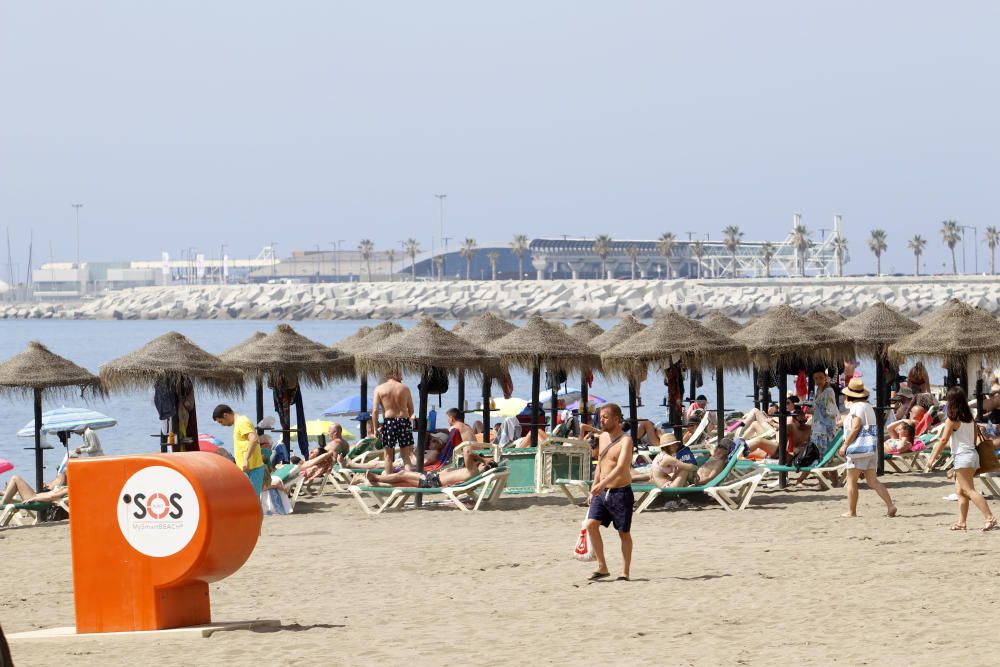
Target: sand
(786, 581)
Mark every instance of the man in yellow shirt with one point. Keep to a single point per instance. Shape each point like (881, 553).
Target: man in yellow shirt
(246, 445)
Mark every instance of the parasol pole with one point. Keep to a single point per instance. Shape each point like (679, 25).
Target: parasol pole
(421, 430)
(486, 408)
(259, 399)
(719, 400)
(554, 408)
(584, 398)
(38, 439)
(979, 395)
(756, 388)
(633, 418)
(782, 425)
(461, 393)
(363, 425)
(535, 391)
(880, 411)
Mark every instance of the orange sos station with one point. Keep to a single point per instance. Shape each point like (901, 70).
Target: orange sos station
(150, 532)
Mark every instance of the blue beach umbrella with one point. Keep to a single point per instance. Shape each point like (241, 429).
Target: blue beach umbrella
(347, 406)
(68, 419)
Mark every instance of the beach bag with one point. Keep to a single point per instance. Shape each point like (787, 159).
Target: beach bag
(274, 501)
(866, 442)
(584, 549)
(805, 457)
(987, 454)
(437, 382)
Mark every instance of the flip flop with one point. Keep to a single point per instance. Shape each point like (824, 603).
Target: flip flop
(990, 524)
(622, 578)
(958, 526)
(598, 575)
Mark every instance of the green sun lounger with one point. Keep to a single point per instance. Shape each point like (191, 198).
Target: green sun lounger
(730, 488)
(28, 513)
(481, 489)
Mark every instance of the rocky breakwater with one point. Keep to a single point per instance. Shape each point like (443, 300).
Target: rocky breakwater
(518, 299)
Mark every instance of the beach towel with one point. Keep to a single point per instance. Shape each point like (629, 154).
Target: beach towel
(508, 431)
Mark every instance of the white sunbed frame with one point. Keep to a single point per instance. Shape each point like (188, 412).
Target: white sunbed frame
(483, 490)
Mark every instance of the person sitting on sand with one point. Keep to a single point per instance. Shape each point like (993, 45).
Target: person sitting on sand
(474, 465)
(18, 490)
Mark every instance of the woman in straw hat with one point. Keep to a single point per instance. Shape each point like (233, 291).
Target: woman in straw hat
(861, 447)
(960, 432)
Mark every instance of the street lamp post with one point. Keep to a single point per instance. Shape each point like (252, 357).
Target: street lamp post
(441, 198)
(77, 207)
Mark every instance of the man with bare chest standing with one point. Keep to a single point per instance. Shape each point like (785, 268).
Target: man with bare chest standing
(394, 400)
(611, 500)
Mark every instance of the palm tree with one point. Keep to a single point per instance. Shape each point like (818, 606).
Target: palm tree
(468, 251)
(801, 243)
(916, 244)
(951, 233)
(390, 256)
(520, 246)
(732, 235)
(666, 245)
(412, 248)
(877, 244)
(632, 252)
(698, 250)
(367, 249)
(439, 263)
(493, 257)
(840, 251)
(992, 238)
(767, 252)
(602, 248)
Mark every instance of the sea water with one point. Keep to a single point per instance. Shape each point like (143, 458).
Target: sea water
(91, 343)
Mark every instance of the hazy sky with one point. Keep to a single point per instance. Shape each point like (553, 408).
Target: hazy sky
(183, 124)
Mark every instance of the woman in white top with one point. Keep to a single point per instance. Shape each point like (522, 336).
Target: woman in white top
(860, 447)
(960, 432)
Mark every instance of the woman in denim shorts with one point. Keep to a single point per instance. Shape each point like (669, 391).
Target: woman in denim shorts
(960, 433)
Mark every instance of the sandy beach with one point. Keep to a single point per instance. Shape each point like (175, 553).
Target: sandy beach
(787, 580)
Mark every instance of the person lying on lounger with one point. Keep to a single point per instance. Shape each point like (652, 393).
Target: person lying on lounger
(18, 490)
(900, 434)
(474, 465)
(649, 435)
(675, 466)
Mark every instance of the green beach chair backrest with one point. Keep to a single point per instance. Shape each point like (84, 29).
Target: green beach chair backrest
(362, 446)
(831, 451)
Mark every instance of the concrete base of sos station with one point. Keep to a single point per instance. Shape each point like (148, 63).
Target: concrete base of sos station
(191, 631)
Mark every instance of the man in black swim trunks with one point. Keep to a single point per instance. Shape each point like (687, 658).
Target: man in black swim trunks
(611, 499)
(474, 465)
(396, 403)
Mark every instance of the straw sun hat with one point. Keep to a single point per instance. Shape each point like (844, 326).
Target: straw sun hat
(668, 439)
(856, 389)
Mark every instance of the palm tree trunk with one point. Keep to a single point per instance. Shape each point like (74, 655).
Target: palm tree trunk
(954, 265)
(993, 256)
(468, 269)
(916, 264)
(734, 264)
(520, 267)
(493, 271)
(413, 267)
(633, 270)
(878, 265)
(669, 272)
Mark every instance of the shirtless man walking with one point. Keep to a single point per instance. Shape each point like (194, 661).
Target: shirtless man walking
(611, 499)
(396, 402)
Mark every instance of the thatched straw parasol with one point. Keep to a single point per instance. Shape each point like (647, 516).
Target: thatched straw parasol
(170, 362)
(873, 330)
(956, 334)
(483, 331)
(288, 359)
(363, 339)
(540, 343)
(626, 328)
(423, 349)
(675, 339)
(585, 331)
(832, 315)
(37, 370)
(721, 324)
(461, 324)
(784, 341)
(238, 351)
(616, 335)
(821, 318)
